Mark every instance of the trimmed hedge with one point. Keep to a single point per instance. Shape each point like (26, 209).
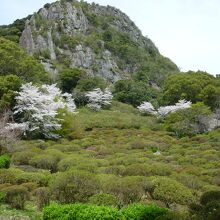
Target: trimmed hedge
(93, 212)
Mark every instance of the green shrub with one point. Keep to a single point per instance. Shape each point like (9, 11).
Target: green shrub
(42, 197)
(209, 197)
(142, 212)
(41, 178)
(2, 197)
(30, 186)
(174, 216)
(4, 161)
(132, 92)
(81, 212)
(194, 86)
(7, 176)
(127, 189)
(147, 170)
(48, 160)
(16, 196)
(74, 186)
(71, 127)
(209, 207)
(188, 122)
(69, 78)
(170, 191)
(23, 158)
(104, 199)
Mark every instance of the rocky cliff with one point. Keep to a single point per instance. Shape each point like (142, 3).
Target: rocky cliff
(101, 40)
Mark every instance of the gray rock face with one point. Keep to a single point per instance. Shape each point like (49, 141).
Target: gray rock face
(26, 40)
(63, 21)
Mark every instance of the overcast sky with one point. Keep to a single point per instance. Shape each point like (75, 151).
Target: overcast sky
(186, 31)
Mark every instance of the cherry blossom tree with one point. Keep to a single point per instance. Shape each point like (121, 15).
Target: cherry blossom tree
(147, 108)
(98, 98)
(165, 110)
(37, 108)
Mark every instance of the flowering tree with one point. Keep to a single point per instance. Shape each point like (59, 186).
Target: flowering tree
(98, 98)
(37, 108)
(165, 110)
(147, 108)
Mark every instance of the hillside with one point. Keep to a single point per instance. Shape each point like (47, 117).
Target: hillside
(119, 152)
(96, 124)
(101, 40)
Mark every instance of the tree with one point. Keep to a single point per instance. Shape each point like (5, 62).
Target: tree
(194, 86)
(85, 85)
(181, 104)
(14, 60)
(98, 98)
(190, 121)
(69, 78)
(132, 92)
(7, 136)
(147, 108)
(8, 85)
(37, 109)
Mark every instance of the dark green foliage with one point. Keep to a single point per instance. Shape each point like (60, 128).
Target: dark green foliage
(16, 196)
(142, 212)
(2, 197)
(68, 42)
(81, 212)
(8, 85)
(210, 196)
(189, 121)
(192, 86)
(69, 78)
(87, 84)
(174, 216)
(4, 161)
(13, 31)
(15, 61)
(133, 92)
(104, 199)
(209, 207)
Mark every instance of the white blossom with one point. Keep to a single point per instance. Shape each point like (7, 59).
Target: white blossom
(147, 108)
(182, 104)
(98, 98)
(37, 107)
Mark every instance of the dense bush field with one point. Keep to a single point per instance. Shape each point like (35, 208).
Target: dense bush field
(114, 158)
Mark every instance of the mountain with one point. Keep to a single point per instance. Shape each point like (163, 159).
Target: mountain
(101, 40)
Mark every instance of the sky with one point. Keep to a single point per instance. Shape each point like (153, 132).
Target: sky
(186, 31)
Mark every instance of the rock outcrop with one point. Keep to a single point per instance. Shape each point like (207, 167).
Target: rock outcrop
(76, 34)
